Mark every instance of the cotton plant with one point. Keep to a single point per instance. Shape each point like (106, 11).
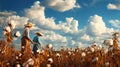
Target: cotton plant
(83, 54)
(29, 62)
(17, 34)
(7, 29)
(50, 60)
(95, 59)
(12, 24)
(49, 46)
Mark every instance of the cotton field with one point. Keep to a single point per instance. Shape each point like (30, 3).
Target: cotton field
(92, 56)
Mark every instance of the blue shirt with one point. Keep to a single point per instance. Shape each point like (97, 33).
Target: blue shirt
(36, 39)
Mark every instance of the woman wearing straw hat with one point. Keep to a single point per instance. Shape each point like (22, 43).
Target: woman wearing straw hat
(25, 40)
(36, 40)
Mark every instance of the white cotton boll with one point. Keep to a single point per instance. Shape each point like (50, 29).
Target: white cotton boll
(106, 51)
(16, 57)
(48, 65)
(17, 34)
(18, 65)
(4, 32)
(49, 46)
(83, 54)
(7, 63)
(25, 65)
(20, 54)
(92, 49)
(50, 60)
(107, 64)
(111, 42)
(38, 51)
(95, 59)
(57, 55)
(7, 28)
(12, 23)
(95, 44)
(23, 47)
(108, 42)
(30, 61)
(69, 53)
(41, 51)
(99, 47)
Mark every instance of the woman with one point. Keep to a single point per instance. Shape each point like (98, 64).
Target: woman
(25, 40)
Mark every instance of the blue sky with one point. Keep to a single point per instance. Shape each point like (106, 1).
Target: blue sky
(67, 23)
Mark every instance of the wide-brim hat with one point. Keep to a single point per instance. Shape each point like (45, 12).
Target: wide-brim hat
(39, 33)
(29, 24)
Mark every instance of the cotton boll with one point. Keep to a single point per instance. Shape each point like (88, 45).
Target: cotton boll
(4, 32)
(22, 47)
(7, 63)
(41, 51)
(99, 47)
(57, 55)
(38, 51)
(7, 28)
(18, 65)
(16, 57)
(12, 23)
(30, 61)
(108, 42)
(50, 60)
(49, 46)
(92, 49)
(106, 51)
(83, 54)
(69, 53)
(20, 54)
(95, 59)
(48, 65)
(107, 64)
(17, 34)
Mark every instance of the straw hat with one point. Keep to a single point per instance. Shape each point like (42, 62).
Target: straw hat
(29, 24)
(39, 34)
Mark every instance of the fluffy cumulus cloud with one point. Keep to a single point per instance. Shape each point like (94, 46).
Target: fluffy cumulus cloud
(69, 26)
(86, 37)
(61, 5)
(37, 15)
(96, 26)
(115, 23)
(114, 6)
(19, 21)
(4, 15)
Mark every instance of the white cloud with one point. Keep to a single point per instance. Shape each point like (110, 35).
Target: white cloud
(61, 5)
(19, 21)
(86, 37)
(113, 6)
(6, 13)
(96, 26)
(55, 37)
(37, 15)
(115, 23)
(69, 26)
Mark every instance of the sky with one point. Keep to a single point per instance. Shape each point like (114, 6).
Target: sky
(68, 23)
